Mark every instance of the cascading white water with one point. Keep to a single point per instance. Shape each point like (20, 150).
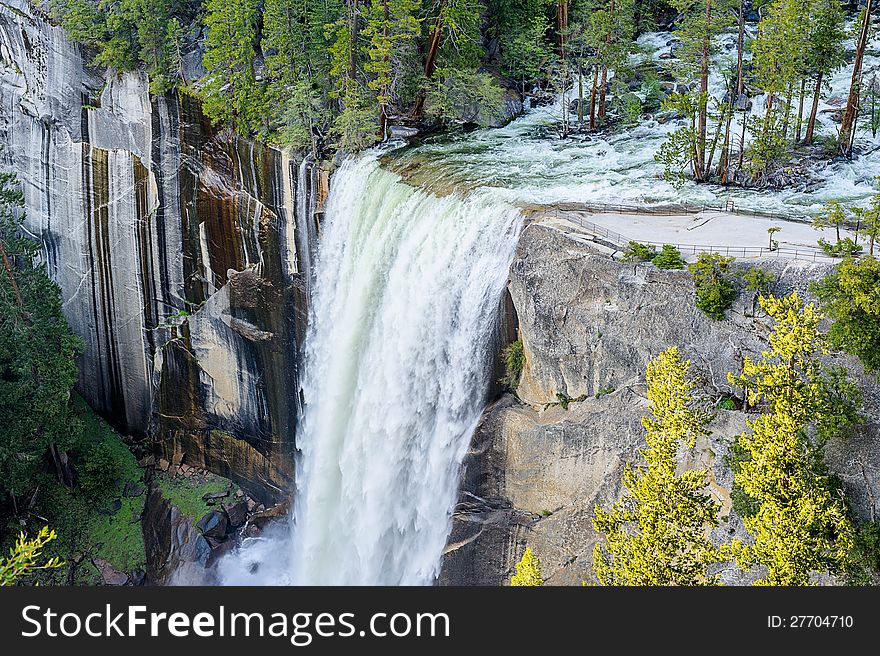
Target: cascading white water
(397, 364)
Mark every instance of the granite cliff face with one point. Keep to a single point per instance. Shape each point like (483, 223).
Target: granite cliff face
(182, 253)
(590, 325)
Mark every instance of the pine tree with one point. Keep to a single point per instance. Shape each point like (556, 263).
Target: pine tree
(801, 524)
(608, 34)
(657, 533)
(780, 58)
(522, 28)
(37, 351)
(826, 51)
(851, 297)
(528, 571)
(699, 22)
(454, 42)
(847, 126)
(870, 223)
(390, 25)
(231, 92)
(126, 33)
(833, 217)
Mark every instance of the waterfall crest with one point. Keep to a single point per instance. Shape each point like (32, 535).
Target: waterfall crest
(397, 364)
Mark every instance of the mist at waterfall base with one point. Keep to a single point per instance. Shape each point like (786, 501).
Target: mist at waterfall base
(398, 359)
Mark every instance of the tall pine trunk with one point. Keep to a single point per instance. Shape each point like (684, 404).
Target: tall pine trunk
(580, 97)
(707, 171)
(383, 105)
(787, 111)
(702, 119)
(609, 39)
(724, 162)
(430, 62)
(811, 122)
(741, 27)
(561, 26)
(800, 119)
(847, 127)
(740, 42)
(593, 97)
(353, 39)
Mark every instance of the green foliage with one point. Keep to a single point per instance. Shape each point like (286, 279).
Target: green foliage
(781, 46)
(608, 389)
(844, 248)
(677, 153)
(129, 32)
(514, 361)
(24, 558)
(712, 283)
(868, 222)
(94, 519)
(605, 29)
(870, 101)
(528, 571)
(801, 524)
(698, 23)
(828, 34)
(742, 504)
(631, 110)
(37, 351)
(726, 403)
(868, 544)
(657, 533)
(833, 217)
(669, 258)
(636, 252)
(99, 471)
(296, 50)
(522, 29)
(230, 91)
(465, 97)
(462, 47)
(767, 148)
(355, 128)
(851, 298)
(759, 280)
(652, 91)
(186, 493)
(390, 25)
(303, 118)
(697, 31)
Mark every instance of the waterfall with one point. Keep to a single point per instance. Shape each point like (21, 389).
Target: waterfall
(306, 233)
(398, 359)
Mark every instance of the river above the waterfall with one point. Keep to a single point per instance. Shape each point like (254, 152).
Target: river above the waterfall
(527, 162)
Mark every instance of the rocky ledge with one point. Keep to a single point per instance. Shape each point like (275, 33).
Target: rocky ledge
(542, 459)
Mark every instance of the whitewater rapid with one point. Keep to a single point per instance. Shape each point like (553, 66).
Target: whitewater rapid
(398, 359)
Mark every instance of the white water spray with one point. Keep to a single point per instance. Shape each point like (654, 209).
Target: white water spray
(397, 364)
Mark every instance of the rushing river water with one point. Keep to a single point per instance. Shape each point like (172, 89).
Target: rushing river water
(526, 162)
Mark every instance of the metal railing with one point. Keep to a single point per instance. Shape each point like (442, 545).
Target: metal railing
(621, 242)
